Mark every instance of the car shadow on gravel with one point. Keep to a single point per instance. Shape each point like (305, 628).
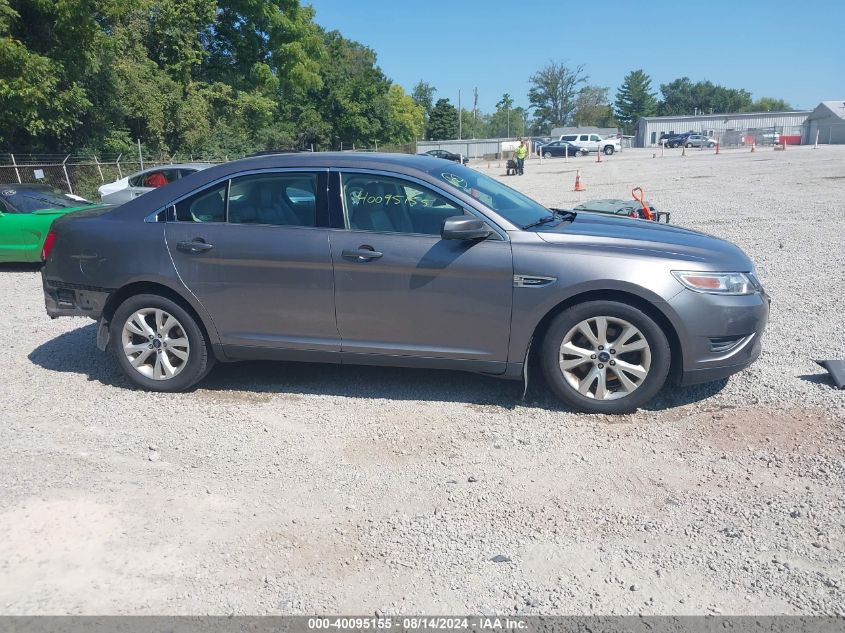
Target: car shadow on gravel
(75, 352)
(20, 267)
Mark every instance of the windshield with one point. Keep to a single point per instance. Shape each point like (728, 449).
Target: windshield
(29, 200)
(515, 207)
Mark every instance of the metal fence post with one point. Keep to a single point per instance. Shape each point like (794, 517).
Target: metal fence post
(67, 178)
(99, 169)
(140, 155)
(17, 173)
(117, 163)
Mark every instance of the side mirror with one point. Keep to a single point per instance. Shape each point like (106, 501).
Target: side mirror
(464, 227)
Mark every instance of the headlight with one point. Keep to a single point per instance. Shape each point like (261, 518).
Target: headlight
(717, 283)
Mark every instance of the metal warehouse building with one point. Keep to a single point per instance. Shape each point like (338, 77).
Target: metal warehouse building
(729, 129)
(826, 123)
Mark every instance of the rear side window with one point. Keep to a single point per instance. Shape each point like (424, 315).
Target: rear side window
(569, 137)
(281, 199)
(208, 205)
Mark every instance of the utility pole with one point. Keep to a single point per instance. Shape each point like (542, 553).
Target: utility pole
(460, 136)
(474, 109)
(508, 110)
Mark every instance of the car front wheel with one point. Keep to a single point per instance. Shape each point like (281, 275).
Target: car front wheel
(605, 357)
(547, 155)
(158, 344)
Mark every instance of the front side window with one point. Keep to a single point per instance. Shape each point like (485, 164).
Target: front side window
(208, 205)
(512, 205)
(594, 137)
(393, 205)
(280, 199)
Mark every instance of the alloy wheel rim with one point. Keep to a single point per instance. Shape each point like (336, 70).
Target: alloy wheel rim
(605, 358)
(155, 344)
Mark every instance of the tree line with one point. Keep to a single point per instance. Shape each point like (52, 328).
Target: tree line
(230, 77)
(207, 77)
(560, 96)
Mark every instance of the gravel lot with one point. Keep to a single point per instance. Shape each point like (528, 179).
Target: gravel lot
(282, 488)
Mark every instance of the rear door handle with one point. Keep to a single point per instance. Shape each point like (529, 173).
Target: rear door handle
(194, 246)
(362, 254)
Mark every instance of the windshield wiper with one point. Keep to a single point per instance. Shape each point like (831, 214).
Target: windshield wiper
(544, 220)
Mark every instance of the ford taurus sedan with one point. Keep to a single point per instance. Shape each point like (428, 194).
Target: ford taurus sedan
(404, 261)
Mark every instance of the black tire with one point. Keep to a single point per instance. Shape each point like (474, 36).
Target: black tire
(200, 359)
(689, 145)
(608, 150)
(564, 322)
(547, 155)
(584, 152)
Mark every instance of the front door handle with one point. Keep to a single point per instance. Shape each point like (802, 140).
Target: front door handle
(194, 246)
(363, 253)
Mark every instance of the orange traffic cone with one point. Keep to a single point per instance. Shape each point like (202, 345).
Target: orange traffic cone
(598, 156)
(578, 185)
(717, 147)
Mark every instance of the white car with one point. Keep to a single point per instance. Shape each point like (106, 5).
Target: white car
(141, 182)
(593, 142)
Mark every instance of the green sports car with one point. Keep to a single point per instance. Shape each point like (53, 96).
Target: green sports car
(26, 213)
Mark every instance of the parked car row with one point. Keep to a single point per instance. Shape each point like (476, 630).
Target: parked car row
(687, 139)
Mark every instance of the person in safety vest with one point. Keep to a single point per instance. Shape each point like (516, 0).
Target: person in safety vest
(521, 153)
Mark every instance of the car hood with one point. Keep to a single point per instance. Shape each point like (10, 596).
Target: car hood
(622, 236)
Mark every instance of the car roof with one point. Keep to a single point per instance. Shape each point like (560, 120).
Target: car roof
(25, 186)
(173, 166)
(410, 164)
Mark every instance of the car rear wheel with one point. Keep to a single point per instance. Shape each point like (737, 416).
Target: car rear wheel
(608, 150)
(158, 344)
(605, 357)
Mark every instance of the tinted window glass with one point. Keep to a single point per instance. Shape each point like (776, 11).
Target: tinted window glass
(208, 205)
(287, 199)
(569, 137)
(583, 137)
(393, 205)
(594, 137)
(29, 199)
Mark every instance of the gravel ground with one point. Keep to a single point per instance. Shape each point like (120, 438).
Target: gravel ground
(282, 488)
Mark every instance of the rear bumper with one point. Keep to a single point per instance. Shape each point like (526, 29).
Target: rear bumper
(63, 299)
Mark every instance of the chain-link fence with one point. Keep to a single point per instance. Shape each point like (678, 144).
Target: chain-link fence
(764, 136)
(83, 174)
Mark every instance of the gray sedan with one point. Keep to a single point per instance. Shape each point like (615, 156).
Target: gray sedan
(405, 261)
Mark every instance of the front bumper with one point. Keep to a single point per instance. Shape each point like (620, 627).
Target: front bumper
(720, 335)
(64, 299)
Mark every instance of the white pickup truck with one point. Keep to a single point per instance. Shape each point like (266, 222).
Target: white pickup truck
(593, 142)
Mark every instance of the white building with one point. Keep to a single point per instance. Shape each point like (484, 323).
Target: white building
(826, 123)
(727, 128)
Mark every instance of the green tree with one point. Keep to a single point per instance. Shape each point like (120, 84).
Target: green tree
(592, 107)
(770, 104)
(443, 121)
(406, 118)
(634, 100)
(552, 93)
(423, 96)
(682, 96)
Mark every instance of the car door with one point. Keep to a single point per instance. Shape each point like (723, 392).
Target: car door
(254, 250)
(401, 290)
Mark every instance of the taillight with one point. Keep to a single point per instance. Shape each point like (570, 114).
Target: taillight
(49, 243)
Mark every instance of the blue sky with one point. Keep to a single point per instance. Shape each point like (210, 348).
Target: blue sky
(776, 48)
